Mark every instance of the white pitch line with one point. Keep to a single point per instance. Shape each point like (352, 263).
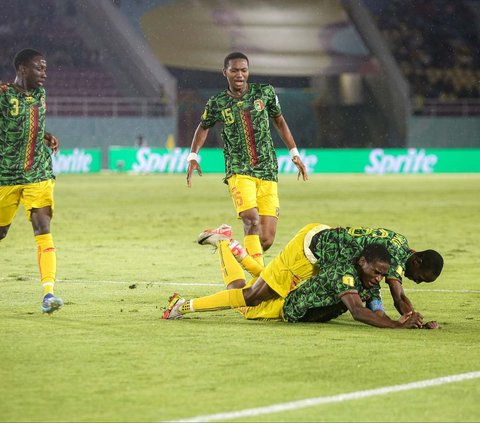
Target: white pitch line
(454, 291)
(443, 290)
(311, 402)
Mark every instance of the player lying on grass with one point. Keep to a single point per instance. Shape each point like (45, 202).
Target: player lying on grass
(421, 266)
(343, 273)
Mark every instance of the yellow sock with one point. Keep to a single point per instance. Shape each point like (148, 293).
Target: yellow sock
(47, 262)
(251, 265)
(222, 300)
(254, 248)
(231, 269)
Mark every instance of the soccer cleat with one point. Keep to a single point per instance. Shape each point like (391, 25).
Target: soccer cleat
(51, 303)
(173, 308)
(213, 236)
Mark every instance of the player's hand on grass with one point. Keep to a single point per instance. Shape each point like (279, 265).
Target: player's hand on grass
(431, 325)
(192, 166)
(302, 170)
(412, 320)
(52, 142)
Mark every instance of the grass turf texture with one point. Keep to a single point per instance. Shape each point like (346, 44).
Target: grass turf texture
(125, 243)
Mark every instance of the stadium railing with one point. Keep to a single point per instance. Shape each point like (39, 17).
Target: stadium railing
(461, 107)
(107, 106)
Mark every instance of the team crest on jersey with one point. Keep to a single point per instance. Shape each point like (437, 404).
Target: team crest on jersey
(400, 270)
(348, 280)
(258, 104)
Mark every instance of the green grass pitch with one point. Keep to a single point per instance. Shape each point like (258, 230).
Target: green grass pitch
(126, 242)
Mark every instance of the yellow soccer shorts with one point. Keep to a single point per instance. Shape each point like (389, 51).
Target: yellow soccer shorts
(292, 266)
(248, 193)
(267, 310)
(32, 196)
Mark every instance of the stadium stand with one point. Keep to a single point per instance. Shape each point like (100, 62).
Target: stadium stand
(436, 44)
(74, 69)
(80, 79)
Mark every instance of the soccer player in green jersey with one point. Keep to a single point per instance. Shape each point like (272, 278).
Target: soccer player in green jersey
(245, 109)
(26, 174)
(422, 266)
(318, 254)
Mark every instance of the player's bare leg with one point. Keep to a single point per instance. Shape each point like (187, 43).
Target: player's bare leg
(268, 230)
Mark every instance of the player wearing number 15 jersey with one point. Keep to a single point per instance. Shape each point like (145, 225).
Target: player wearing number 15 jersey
(244, 110)
(26, 174)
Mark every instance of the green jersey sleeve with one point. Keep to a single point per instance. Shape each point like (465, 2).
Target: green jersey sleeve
(273, 104)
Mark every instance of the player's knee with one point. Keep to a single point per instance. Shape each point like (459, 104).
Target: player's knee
(237, 284)
(251, 224)
(257, 293)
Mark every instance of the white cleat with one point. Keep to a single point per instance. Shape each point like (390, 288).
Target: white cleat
(214, 236)
(175, 302)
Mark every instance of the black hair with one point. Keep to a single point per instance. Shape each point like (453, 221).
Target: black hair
(376, 252)
(232, 56)
(432, 261)
(24, 56)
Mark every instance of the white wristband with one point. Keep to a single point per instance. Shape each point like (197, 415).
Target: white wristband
(294, 152)
(192, 156)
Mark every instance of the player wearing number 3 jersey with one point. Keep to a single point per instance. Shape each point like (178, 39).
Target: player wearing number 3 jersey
(251, 167)
(26, 174)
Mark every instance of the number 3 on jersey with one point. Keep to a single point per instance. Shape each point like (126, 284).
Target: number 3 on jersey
(15, 103)
(228, 116)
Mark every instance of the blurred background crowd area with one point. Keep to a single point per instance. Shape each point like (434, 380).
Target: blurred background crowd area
(108, 61)
(436, 44)
(74, 69)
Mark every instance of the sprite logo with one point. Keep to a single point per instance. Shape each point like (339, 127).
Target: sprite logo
(173, 161)
(415, 161)
(75, 161)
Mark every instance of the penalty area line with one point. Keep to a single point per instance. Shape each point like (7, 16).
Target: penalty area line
(311, 402)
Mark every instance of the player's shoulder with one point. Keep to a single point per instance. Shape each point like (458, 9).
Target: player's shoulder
(219, 95)
(218, 100)
(41, 91)
(262, 86)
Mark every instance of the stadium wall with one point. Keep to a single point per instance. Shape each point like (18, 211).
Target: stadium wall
(96, 132)
(443, 132)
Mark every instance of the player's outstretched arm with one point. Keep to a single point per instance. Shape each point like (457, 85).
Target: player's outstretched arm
(362, 314)
(199, 139)
(287, 138)
(400, 300)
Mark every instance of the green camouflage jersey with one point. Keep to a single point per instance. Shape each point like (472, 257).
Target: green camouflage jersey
(24, 157)
(396, 244)
(248, 148)
(319, 298)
